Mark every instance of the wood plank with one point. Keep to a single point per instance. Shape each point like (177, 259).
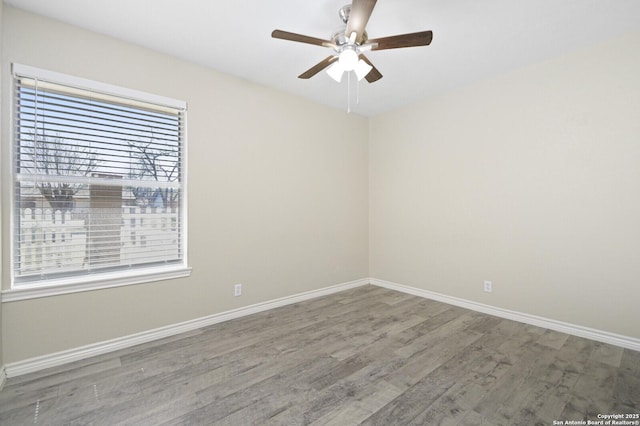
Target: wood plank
(608, 354)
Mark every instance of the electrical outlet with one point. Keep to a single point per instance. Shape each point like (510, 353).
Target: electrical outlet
(487, 286)
(237, 290)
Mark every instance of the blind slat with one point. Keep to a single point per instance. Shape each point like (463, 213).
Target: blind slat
(43, 96)
(44, 104)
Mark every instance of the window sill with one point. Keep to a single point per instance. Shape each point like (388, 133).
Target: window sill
(66, 286)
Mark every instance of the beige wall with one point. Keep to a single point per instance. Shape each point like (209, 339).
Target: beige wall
(531, 180)
(278, 195)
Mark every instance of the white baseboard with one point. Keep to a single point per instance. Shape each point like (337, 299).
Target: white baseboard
(576, 330)
(3, 376)
(31, 365)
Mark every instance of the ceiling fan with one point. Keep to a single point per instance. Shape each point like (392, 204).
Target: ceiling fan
(350, 43)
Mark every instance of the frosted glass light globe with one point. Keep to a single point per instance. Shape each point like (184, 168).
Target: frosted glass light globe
(348, 59)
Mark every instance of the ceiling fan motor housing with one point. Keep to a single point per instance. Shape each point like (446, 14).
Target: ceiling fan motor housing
(339, 37)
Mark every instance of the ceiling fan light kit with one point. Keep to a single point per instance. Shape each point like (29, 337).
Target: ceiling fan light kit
(349, 60)
(349, 43)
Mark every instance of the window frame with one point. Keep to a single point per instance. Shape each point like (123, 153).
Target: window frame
(99, 280)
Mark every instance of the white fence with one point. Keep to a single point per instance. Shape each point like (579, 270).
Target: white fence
(49, 241)
(45, 244)
(149, 235)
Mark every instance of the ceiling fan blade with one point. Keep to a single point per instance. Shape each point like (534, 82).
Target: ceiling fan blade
(374, 75)
(358, 18)
(285, 35)
(318, 67)
(422, 38)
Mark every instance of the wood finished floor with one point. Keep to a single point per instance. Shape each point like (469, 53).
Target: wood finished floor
(367, 356)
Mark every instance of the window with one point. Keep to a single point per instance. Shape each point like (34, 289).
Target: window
(99, 188)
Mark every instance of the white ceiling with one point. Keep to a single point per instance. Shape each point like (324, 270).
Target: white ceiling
(473, 40)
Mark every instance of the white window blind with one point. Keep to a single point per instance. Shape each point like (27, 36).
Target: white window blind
(99, 180)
